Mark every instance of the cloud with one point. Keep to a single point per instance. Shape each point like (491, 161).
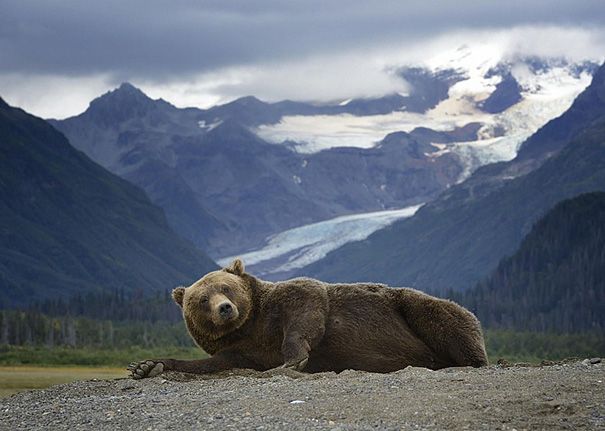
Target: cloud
(198, 53)
(318, 78)
(52, 96)
(367, 72)
(155, 39)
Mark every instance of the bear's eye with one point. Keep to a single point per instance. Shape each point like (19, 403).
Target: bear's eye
(225, 289)
(203, 300)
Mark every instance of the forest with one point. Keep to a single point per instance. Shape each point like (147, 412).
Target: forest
(555, 282)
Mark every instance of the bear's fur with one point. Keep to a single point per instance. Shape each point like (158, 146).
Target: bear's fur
(305, 324)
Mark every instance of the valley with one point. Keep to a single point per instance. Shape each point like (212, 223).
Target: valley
(233, 175)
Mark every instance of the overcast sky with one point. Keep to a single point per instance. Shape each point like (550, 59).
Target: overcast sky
(56, 55)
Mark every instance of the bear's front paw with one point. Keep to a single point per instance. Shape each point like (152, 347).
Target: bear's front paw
(142, 369)
(296, 364)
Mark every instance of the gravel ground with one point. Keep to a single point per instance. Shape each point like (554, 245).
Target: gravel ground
(558, 396)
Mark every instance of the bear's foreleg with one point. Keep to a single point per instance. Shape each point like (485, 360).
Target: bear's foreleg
(302, 332)
(303, 308)
(220, 362)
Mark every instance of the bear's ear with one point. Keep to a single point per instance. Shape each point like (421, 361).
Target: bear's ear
(236, 267)
(177, 295)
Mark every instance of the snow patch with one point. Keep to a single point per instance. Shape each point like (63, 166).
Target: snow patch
(314, 133)
(208, 127)
(547, 93)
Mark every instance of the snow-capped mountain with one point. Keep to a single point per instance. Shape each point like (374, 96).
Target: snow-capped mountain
(239, 178)
(510, 97)
(457, 239)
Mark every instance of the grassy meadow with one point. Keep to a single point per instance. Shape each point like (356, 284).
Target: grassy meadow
(15, 379)
(26, 367)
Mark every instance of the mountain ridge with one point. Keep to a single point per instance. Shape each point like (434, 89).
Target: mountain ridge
(343, 167)
(69, 226)
(213, 179)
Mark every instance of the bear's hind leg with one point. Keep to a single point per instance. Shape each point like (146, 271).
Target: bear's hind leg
(450, 330)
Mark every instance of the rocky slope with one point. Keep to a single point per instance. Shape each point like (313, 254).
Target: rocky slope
(561, 396)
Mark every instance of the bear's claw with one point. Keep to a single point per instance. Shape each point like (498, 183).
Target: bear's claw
(297, 365)
(142, 369)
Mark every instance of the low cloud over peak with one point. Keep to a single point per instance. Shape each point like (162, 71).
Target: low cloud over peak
(201, 53)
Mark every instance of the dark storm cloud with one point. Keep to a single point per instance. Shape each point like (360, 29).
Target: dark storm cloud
(156, 39)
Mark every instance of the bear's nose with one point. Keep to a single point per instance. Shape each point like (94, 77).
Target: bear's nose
(225, 309)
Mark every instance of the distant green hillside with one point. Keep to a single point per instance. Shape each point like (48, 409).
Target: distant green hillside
(69, 226)
(556, 280)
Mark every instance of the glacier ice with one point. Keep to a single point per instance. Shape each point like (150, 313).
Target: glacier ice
(300, 246)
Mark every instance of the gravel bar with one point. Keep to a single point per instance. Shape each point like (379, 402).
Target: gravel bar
(559, 396)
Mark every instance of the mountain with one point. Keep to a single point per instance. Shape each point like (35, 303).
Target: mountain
(508, 97)
(456, 240)
(555, 281)
(68, 226)
(232, 176)
(264, 188)
(506, 94)
(130, 134)
(227, 190)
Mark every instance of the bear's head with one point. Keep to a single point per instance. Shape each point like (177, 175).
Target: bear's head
(217, 304)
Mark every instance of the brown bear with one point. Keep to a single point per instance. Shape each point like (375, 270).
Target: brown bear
(309, 325)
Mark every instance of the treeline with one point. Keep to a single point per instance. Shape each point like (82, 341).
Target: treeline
(556, 280)
(117, 305)
(534, 347)
(102, 320)
(30, 328)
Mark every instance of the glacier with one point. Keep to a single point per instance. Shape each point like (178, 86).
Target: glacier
(303, 245)
(546, 93)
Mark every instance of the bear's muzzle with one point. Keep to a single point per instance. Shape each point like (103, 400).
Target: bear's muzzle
(225, 310)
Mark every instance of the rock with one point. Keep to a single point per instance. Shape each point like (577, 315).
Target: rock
(503, 362)
(595, 361)
(586, 362)
(127, 385)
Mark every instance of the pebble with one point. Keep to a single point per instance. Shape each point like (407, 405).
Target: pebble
(296, 402)
(595, 361)
(127, 386)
